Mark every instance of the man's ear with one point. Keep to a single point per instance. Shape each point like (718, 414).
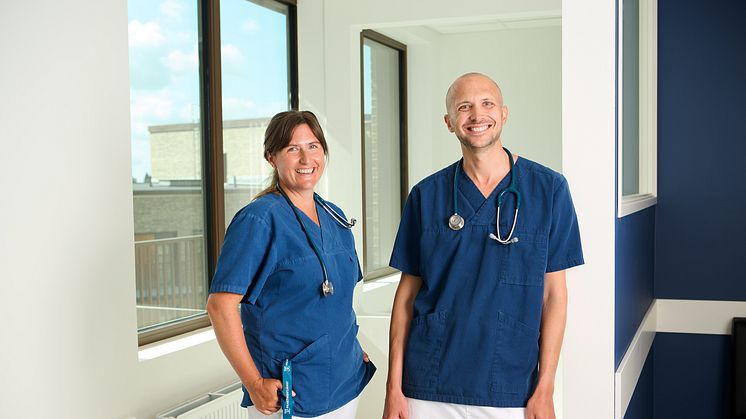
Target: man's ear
(447, 120)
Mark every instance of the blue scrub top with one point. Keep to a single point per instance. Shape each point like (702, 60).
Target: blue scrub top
(266, 258)
(474, 337)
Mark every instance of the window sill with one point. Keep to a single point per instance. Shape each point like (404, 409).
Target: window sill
(175, 344)
(379, 273)
(633, 203)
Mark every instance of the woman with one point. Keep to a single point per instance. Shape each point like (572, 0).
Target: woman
(289, 259)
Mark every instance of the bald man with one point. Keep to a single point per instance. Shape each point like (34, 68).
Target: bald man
(483, 244)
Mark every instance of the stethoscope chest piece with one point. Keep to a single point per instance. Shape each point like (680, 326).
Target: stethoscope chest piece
(456, 222)
(327, 288)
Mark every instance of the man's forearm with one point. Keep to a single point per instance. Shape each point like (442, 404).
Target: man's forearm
(553, 319)
(401, 319)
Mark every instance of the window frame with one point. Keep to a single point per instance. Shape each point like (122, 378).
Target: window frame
(647, 110)
(212, 145)
(403, 143)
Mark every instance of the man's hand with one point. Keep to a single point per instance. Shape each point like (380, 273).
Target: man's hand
(396, 406)
(540, 406)
(263, 393)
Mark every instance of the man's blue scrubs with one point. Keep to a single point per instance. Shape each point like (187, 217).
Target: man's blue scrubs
(266, 258)
(474, 337)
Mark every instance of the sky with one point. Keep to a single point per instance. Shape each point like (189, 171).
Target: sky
(164, 66)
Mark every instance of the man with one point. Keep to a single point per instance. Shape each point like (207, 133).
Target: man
(479, 314)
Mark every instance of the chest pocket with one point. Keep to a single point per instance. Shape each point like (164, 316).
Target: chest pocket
(344, 270)
(525, 261)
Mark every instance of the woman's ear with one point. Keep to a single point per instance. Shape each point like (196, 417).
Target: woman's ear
(271, 160)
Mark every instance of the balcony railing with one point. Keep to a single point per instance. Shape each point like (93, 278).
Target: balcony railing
(171, 279)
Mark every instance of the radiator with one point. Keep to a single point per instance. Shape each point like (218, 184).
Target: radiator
(224, 403)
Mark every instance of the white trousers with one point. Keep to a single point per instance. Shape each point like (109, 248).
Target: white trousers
(425, 409)
(345, 412)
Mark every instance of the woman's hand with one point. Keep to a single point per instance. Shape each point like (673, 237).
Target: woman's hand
(263, 393)
(366, 358)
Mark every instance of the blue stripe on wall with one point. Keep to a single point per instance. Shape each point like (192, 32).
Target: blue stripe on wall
(700, 224)
(641, 404)
(634, 267)
(692, 376)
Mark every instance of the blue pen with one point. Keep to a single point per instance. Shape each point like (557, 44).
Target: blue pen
(287, 390)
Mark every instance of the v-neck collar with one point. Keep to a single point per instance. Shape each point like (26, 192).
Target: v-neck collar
(315, 231)
(483, 210)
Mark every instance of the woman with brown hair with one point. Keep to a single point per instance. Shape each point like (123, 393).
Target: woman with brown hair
(289, 259)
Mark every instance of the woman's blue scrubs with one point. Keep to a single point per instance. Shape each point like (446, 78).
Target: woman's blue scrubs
(474, 337)
(266, 258)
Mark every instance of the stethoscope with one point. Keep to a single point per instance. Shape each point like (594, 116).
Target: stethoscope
(456, 222)
(327, 288)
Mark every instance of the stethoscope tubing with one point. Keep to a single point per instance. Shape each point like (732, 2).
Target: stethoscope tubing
(335, 215)
(456, 222)
(327, 287)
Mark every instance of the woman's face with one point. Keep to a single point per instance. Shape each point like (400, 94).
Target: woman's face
(300, 164)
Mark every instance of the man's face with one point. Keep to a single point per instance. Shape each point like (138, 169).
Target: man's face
(476, 113)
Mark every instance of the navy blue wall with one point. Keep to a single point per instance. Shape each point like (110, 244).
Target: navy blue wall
(700, 228)
(692, 376)
(634, 259)
(700, 232)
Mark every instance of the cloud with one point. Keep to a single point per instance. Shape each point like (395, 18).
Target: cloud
(190, 112)
(147, 70)
(182, 62)
(236, 108)
(230, 53)
(151, 106)
(172, 8)
(250, 26)
(146, 34)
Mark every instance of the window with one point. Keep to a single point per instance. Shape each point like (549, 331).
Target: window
(254, 47)
(384, 126)
(637, 105)
(191, 142)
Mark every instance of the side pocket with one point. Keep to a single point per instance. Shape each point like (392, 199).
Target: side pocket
(516, 356)
(424, 350)
(525, 261)
(312, 376)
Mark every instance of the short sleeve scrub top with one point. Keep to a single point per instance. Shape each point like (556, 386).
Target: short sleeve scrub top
(267, 258)
(474, 337)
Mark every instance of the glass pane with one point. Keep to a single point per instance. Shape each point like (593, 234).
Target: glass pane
(255, 77)
(166, 161)
(630, 98)
(382, 144)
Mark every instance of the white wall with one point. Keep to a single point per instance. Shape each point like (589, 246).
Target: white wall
(69, 346)
(588, 161)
